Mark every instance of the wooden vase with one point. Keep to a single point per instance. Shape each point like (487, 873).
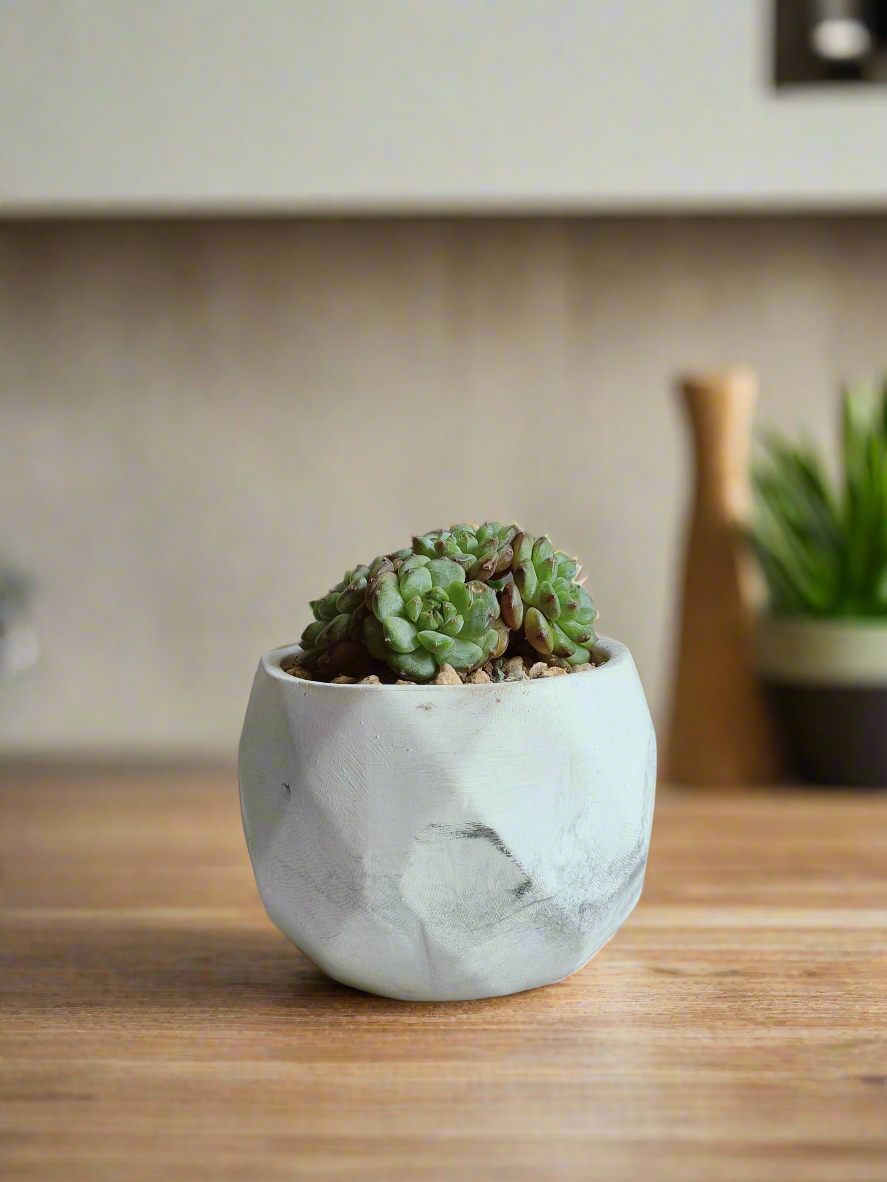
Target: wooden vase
(721, 730)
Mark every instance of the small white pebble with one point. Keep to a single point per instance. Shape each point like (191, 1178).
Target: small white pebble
(343, 679)
(479, 677)
(400, 681)
(371, 680)
(538, 669)
(583, 667)
(554, 671)
(447, 675)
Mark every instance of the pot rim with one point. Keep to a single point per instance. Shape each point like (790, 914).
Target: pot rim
(823, 651)
(615, 656)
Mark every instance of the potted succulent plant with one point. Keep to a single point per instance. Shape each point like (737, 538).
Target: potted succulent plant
(823, 550)
(447, 786)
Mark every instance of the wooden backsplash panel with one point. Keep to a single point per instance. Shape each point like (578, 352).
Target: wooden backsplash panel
(203, 423)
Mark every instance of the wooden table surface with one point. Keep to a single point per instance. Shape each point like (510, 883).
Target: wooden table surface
(156, 1026)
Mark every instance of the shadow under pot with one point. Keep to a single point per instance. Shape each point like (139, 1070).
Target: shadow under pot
(827, 681)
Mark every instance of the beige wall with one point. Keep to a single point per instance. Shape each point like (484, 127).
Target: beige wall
(202, 424)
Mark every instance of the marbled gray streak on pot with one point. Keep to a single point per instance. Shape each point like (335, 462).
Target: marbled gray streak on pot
(443, 842)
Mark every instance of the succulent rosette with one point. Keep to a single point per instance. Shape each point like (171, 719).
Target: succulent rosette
(460, 597)
(483, 551)
(334, 640)
(427, 613)
(555, 613)
(334, 628)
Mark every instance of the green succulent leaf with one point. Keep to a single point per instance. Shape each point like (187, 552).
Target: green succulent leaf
(385, 598)
(355, 593)
(437, 544)
(562, 645)
(495, 645)
(419, 665)
(416, 582)
(400, 634)
(413, 608)
(542, 550)
(548, 600)
(413, 562)
(578, 632)
(512, 606)
(481, 614)
(311, 633)
(546, 569)
(460, 596)
(444, 572)
(538, 631)
(523, 549)
(464, 654)
(336, 629)
(527, 581)
(437, 644)
(587, 611)
(326, 608)
(567, 568)
(374, 638)
(453, 626)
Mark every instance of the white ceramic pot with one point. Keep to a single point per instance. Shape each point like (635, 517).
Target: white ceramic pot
(449, 842)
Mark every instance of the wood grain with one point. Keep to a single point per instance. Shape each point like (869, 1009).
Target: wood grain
(155, 1025)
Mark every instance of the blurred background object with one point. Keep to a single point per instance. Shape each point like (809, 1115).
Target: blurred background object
(830, 41)
(822, 546)
(295, 108)
(18, 641)
(722, 733)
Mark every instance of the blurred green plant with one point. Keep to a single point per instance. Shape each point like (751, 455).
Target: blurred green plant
(822, 544)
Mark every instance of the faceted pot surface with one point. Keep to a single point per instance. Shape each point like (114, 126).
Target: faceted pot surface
(449, 842)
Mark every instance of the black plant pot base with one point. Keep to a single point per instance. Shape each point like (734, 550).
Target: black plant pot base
(836, 735)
